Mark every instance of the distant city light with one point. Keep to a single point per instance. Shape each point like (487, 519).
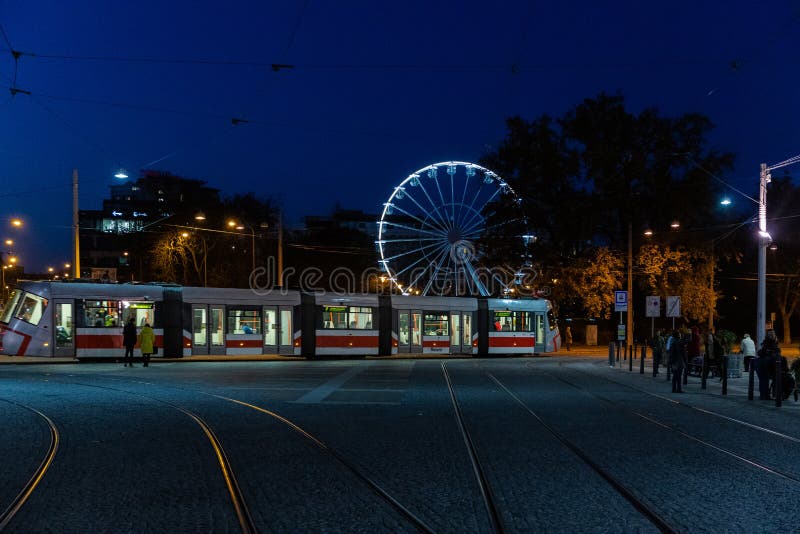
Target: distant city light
(725, 202)
(121, 174)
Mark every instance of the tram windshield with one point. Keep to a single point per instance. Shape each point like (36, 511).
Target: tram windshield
(11, 303)
(25, 306)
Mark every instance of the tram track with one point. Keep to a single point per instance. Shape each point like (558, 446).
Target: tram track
(794, 439)
(234, 491)
(489, 501)
(628, 494)
(16, 504)
(419, 524)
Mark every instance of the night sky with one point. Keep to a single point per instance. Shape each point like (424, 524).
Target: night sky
(379, 90)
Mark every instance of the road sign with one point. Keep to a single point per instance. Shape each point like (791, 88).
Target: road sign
(653, 307)
(674, 306)
(620, 301)
(620, 332)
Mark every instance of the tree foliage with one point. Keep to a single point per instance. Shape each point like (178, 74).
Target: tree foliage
(600, 169)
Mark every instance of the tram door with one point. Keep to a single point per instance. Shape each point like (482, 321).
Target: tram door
(64, 329)
(409, 331)
(539, 332)
(461, 333)
(278, 333)
(208, 333)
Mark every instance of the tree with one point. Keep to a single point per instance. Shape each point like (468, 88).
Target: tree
(595, 277)
(589, 175)
(784, 197)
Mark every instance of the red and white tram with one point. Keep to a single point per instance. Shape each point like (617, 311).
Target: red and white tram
(84, 320)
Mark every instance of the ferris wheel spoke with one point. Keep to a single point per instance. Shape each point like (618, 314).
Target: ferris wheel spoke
(422, 222)
(452, 196)
(423, 272)
(475, 278)
(433, 205)
(463, 197)
(411, 240)
(424, 210)
(470, 209)
(432, 278)
(477, 212)
(411, 228)
(413, 251)
(441, 196)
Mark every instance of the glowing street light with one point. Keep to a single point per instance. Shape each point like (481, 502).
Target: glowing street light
(16, 222)
(121, 174)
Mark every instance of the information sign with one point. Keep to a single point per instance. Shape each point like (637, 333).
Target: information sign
(620, 301)
(653, 307)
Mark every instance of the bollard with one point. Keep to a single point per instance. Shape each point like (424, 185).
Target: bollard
(630, 359)
(778, 386)
(641, 360)
(611, 354)
(703, 373)
(685, 375)
(750, 380)
(724, 375)
(669, 371)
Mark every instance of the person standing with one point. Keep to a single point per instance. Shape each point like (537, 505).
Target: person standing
(147, 339)
(568, 337)
(677, 360)
(129, 341)
(748, 351)
(658, 351)
(765, 363)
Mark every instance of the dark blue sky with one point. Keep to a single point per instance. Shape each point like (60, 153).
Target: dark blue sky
(380, 89)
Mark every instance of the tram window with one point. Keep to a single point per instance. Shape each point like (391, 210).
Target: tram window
(360, 318)
(244, 321)
(11, 303)
(64, 325)
(102, 313)
(512, 321)
(142, 312)
(437, 324)
(30, 308)
(343, 317)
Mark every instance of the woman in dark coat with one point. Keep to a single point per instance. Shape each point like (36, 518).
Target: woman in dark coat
(677, 360)
(129, 341)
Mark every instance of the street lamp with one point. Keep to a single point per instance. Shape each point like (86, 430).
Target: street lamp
(765, 240)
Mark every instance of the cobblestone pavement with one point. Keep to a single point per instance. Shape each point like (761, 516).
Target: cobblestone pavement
(131, 459)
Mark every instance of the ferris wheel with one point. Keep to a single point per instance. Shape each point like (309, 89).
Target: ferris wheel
(438, 224)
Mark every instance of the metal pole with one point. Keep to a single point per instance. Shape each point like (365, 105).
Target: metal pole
(712, 301)
(280, 248)
(752, 368)
(641, 362)
(725, 375)
(253, 248)
(76, 246)
(764, 240)
(629, 325)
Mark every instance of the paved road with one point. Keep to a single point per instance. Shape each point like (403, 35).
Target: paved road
(563, 444)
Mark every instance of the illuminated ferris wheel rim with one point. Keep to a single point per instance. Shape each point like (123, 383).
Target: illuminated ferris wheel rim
(417, 174)
(433, 232)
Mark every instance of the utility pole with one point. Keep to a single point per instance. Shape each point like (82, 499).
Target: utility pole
(280, 248)
(629, 325)
(764, 240)
(76, 246)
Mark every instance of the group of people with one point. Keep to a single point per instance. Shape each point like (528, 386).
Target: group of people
(682, 347)
(146, 339)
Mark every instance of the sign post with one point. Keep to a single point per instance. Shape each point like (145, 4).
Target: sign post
(621, 305)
